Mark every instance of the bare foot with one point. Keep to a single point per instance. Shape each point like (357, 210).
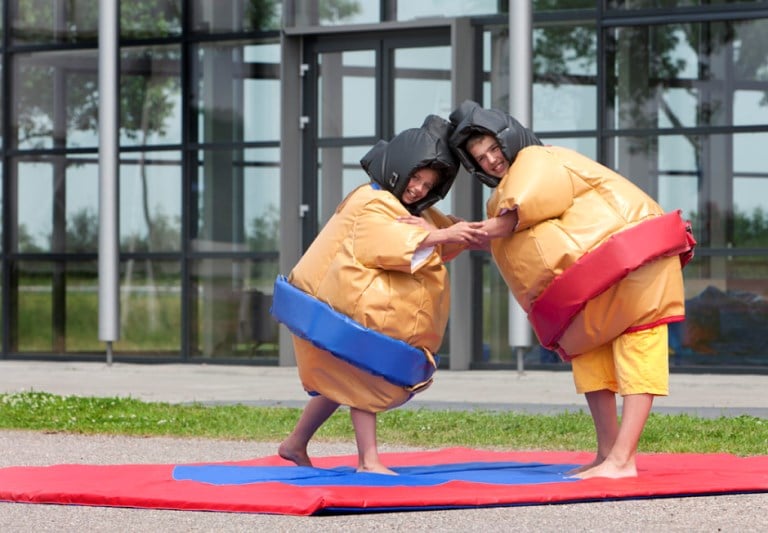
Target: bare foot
(298, 456)
(583, 468)
(610, 470)
(376, 469)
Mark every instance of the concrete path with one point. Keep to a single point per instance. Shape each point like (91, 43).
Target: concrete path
(706, 395)
(534, 391)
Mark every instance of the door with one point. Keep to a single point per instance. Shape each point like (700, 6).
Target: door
(357, 91)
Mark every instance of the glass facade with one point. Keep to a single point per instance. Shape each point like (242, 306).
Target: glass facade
(198, 179)
(679, 108)
(213, 203)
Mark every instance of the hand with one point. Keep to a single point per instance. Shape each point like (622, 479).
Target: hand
(470, 234)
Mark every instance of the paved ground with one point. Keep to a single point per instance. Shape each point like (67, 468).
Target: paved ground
(534, 391)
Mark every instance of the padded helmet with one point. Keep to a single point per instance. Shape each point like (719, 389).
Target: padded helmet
(470, 119)
(391, 164)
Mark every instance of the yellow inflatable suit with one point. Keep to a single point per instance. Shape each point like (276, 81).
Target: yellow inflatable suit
(592, 255)
(369, 311)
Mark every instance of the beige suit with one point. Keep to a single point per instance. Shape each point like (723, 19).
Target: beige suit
(361, 265)
(569, 206)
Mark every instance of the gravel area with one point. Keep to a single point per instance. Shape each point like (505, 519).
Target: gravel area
(737, 513)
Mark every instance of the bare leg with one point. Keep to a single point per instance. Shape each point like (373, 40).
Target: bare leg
(602, 406)
(620, 461)
(316, 412)
(367, 450)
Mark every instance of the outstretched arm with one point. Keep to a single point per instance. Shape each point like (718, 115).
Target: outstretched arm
(502, 225)
(462, 232)
(466, 233)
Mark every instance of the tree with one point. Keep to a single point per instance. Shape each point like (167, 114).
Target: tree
(83, 231)
(264, 236)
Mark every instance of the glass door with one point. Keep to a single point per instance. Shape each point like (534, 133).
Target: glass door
(357, 91)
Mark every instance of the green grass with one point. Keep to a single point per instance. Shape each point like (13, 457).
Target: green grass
(39, 411)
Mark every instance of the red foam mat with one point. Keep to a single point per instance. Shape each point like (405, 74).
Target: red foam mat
(154, 486)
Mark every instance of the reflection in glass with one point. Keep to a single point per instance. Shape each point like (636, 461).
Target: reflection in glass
(447, 8)
(750, 190)
(751, 107)
(341, 75)
(43, 21)
(641, 60)
(495, 322)
(680, 176)
(150, 307)
(584, 145)
(632, 84)
(82, 206)
(680, 192)
(353, 175)
(261, 199)
(143, 19)
(649, 4)
(2, 96)
(680, 172)
(422, 85)
(150, 95)
(749, 153)
(150, 202)
(339, 172)
(681, 106)
(332, 13)
(677, 75)
(496, 68)
(237, 93)
(237, 195)
(750, 212)
(749, 49)
(565, 78)
(55, 99)
(34, 309)
(230, 308)
(57, 309)
(81, 324)
(636, 158)
(222, 16)
(35, 197)
(57, 205)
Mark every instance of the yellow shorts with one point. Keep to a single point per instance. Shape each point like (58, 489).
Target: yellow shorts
(634, 363)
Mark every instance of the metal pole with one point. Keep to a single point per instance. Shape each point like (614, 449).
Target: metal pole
(520, 97)
(109, 296)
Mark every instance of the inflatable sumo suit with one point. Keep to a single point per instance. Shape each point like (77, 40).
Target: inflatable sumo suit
(592, 256)
(366, 310)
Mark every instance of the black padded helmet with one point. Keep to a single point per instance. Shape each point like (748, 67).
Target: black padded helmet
(470, 119)
(390, 164)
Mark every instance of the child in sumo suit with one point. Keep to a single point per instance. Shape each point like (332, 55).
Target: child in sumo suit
(372, 294)
(595, 263)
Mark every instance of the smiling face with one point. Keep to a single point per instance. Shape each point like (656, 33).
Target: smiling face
(419, 184)
(488, 155)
